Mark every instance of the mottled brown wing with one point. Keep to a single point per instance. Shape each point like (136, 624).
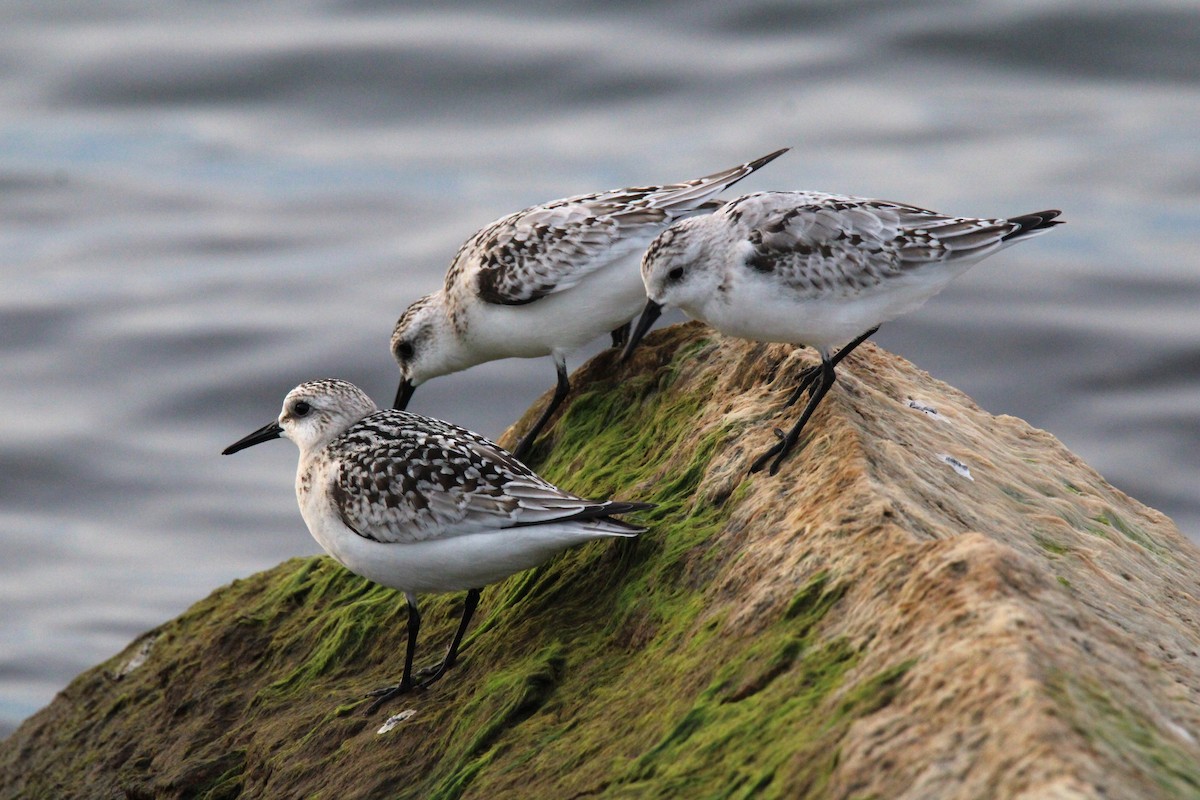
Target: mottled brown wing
(406, 485)
(820, 244)
(549, 249)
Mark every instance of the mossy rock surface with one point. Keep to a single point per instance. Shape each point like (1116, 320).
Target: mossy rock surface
(871, 622)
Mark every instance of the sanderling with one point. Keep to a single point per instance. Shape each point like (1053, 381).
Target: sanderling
(421, 505)
(814, 269)
(545, 281)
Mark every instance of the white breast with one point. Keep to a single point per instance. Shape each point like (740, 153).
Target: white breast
(564, 321)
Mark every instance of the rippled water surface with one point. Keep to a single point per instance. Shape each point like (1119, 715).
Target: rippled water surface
(205, 203)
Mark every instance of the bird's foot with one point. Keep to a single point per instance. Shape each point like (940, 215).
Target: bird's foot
(430, 674)
(778, 451)
(385, 694)
(762, 460)
(807, 378)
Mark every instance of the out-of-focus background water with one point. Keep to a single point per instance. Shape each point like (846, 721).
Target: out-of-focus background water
(204, 203)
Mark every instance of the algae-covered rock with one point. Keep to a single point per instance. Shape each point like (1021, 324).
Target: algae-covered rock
(927, 601)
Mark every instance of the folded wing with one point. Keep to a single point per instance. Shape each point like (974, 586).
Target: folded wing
(415, 486)
(818, 243)
(551, 248)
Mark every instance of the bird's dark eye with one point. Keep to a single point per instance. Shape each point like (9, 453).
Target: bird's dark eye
(675, 274)
(404, 351)
(301, 409)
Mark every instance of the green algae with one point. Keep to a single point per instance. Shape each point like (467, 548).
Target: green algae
(510, 696)
(613, 671)
(773, 740)
(608, 671)
(1133, 533)
(1050, 545)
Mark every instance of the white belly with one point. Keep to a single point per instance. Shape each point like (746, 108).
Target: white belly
(762, 312)
(468, 561)
(458, 563)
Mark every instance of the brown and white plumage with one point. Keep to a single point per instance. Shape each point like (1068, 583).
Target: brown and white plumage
(815, 269)
(550, 248)
(400, 478)
(546, 280)
(421, 505)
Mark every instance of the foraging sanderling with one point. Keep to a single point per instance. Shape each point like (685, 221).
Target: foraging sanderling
(545, 281)
(421, 505)
(814, 269)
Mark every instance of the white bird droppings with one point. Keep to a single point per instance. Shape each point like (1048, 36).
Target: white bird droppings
(396, 719)
(956, 465)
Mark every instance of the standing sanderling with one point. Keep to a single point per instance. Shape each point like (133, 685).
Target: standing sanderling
(545, 281)
(421, 505)
(814, 269)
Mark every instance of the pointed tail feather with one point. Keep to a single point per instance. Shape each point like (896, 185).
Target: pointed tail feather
(623, 528)
(689, 198)
(622, 507)
(600, 515)
(1033, 224)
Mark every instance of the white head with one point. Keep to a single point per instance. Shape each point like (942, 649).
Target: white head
(314, 414)
(424, 345)
(679, 269)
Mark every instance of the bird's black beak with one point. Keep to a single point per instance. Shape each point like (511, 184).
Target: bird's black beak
(404, 394)
(264, 434)
(649, 314)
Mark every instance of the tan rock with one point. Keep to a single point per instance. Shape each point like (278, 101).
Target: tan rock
(927, 602)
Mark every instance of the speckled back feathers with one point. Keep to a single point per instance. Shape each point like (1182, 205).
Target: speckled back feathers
(551, 247)
(400, 477)
(817, 245)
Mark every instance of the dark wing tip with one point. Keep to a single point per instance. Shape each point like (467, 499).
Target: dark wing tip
(622, 507)
(767, 159)
(1037, 221)
(599, 510)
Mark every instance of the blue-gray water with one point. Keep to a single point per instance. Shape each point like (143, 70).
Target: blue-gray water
(203, 204)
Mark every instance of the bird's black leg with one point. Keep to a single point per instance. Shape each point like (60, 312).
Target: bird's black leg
(560, 393)
(780, 450)
(848, 349)
(432, 674)
(810, 375)
(406, 683)
(807, 377)
(621, 335)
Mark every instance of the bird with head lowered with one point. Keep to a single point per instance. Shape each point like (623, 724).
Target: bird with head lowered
(815, 269)
(545, 281)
